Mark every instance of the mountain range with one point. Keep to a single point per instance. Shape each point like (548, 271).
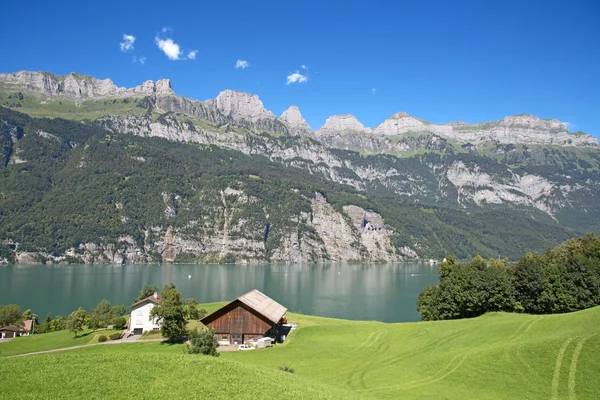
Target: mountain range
(406, 189)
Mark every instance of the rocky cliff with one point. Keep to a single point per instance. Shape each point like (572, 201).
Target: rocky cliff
(343, 131)
(520, 162)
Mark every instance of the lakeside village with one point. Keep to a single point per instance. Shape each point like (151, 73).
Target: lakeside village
(251, 321)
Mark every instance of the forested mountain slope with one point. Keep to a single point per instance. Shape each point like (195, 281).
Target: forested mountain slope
(143, 175)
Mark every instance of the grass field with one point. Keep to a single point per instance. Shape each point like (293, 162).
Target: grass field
(49, 341)
(496, 356)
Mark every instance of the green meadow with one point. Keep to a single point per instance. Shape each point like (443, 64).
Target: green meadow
(495, 356)
(50, 341)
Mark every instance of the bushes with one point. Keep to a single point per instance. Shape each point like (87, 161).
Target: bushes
(102, 339)
(115, 336)
(120, 323)
(203, 342)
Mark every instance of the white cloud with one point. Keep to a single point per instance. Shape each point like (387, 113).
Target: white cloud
(241, 64)
(374, 90)
(296, 77)
(172, 49)
(127, 43)
(141, 60)
(169, 47)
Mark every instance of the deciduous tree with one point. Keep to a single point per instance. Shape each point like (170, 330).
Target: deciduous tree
(170, 311)
(77, 320)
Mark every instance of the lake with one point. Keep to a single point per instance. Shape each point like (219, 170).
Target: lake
(383, 292)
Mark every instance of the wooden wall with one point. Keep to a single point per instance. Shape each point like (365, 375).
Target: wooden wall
(238, 319)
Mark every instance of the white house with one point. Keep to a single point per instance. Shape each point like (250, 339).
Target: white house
(139, 319)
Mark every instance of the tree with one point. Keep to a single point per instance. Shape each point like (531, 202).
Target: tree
(120, 322)
(147, 291)
(170, 311)
(28, 314)
(192, 309)
(428, 303)
(203, 342)
(10, 315)
(102, 313)
(531, 286)
(119, 310)
(77, 320)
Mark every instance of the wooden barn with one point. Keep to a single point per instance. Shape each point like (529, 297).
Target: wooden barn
(246, 319)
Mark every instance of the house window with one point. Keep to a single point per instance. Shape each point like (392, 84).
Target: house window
(139, 321)
(139, 312)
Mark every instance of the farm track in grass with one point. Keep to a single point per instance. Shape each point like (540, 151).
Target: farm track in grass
(496, 356)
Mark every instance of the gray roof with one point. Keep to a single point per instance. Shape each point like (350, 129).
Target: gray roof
(263, 304)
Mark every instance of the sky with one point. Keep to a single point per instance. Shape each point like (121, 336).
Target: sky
(440, 61)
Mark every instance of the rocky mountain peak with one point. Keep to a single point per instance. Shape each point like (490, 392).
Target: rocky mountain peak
(163, 87)
(294, 119)
(342, 123)
(242, 105)
(399, 115)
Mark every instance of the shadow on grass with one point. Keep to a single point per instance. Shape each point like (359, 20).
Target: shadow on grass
(83, 335)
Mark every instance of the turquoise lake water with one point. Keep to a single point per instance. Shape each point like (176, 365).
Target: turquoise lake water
(383, 292)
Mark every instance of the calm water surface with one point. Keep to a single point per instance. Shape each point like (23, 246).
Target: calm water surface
(384, 292)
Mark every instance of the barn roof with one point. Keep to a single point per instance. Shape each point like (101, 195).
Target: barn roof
(263, 304)
(257, 301)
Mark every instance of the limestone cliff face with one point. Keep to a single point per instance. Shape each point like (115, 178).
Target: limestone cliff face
(462, 182)
(77, 86)
(343, 131)
(475, 185)
(356, 234)
(401, 122)
(323, 235)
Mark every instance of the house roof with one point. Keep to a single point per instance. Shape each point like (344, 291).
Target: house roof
(154, 299)
(11, 328)
(259, 302)
(27, 325)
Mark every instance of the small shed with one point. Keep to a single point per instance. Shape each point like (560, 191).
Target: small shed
(246, 319)
(9, 332)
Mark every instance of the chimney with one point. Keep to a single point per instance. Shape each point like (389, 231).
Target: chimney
(155, 295)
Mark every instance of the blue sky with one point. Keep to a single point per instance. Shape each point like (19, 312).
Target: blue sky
(437, 60)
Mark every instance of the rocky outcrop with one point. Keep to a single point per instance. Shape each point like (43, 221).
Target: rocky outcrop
(341, 124)
(401, 122)
(475, 185)
(295, 122)
(359, 235)
(76, 86)
(241, 105)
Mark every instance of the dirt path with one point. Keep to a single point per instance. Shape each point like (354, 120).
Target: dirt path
(122, 341)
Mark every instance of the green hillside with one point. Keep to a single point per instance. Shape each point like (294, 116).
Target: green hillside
(496, 356)
(77, 184)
